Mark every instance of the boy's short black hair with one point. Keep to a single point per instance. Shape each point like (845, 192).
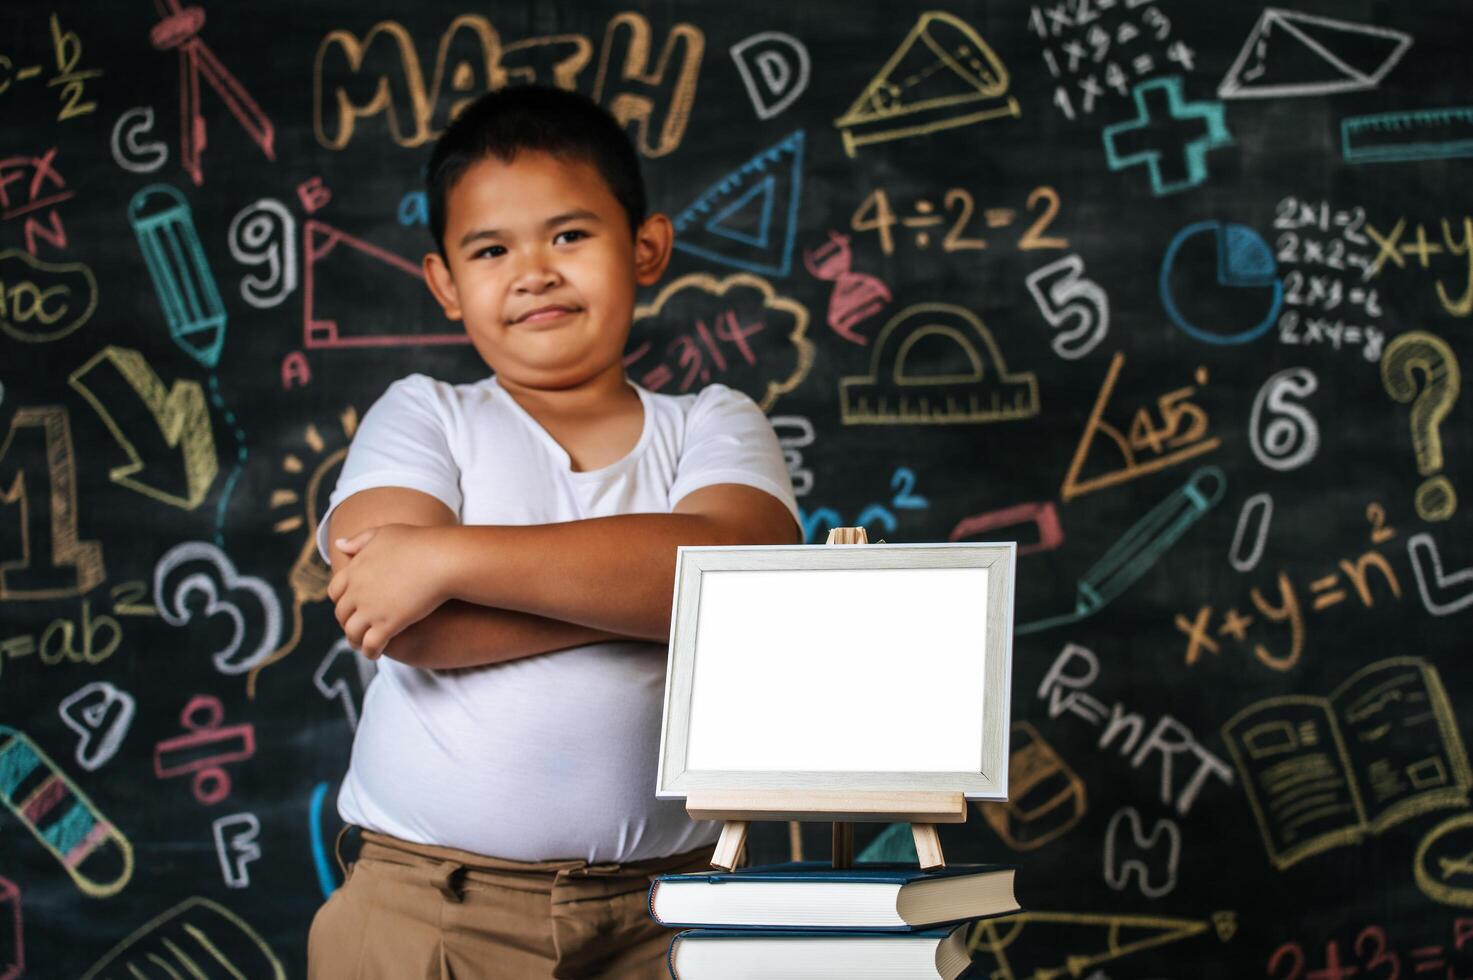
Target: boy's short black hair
(539, 118)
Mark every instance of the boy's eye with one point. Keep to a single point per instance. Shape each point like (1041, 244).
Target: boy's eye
(494, 250)
(571, 231)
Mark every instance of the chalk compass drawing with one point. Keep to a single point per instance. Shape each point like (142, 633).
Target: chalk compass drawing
(178, 29)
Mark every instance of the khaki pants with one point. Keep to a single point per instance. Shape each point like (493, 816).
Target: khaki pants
(414, 912)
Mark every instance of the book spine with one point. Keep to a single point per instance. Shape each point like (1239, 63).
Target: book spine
(651, 902)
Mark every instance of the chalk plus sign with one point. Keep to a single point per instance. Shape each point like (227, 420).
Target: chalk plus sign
(1145, 140)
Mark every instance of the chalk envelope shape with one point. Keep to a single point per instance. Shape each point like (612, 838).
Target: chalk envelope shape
(941, 76)
(1291, 54)
(839, 668)
(196, 938)
(93, 852)
(937, 364)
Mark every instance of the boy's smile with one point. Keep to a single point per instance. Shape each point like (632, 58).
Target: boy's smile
(542, 270)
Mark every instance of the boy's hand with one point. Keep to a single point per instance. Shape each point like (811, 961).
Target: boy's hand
(391, 582)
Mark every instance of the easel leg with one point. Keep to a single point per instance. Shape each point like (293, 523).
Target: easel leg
(843, 849)
(729, 846)
(795, 840)
(928, 846)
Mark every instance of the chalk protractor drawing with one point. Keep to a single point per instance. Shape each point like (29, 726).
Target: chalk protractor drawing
(967, 380)
(941, 76)
(1290, 54)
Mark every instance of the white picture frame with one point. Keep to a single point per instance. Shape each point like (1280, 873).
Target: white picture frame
(855, 668)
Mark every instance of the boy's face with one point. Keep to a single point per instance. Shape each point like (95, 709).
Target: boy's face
(542, 269)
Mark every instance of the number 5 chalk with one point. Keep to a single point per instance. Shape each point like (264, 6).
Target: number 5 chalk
(93, 851)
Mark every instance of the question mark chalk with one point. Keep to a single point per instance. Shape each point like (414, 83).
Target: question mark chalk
(1414, 351)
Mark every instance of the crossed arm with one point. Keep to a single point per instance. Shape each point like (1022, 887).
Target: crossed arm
(453, 595)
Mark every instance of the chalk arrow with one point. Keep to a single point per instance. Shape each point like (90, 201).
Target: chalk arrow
(113, 381)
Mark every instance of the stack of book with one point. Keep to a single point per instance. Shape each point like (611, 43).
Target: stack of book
(807, 919)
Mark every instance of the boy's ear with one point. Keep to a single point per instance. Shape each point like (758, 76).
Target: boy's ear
(652, 246)
(442, 285)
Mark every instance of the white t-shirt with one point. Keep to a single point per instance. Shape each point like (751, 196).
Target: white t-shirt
(552, 756)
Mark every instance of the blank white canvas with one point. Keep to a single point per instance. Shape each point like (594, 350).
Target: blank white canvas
(873, 669)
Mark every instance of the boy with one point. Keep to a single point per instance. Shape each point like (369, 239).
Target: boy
(508, 549)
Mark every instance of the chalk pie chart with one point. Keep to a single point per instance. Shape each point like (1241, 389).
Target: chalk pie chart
(1219, 283)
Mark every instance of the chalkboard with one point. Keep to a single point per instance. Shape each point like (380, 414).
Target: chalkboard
(1174, 294)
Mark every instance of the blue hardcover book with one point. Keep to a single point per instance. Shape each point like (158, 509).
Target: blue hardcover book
(746, 954)
(813, 895)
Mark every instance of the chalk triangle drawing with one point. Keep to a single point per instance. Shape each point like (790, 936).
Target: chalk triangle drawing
(737, 208)
(1069, 943)
(717, 225)
(326, 249)
(942, 75)
(1292, 54)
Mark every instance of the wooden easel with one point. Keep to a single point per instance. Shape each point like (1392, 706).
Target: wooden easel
(922, 810)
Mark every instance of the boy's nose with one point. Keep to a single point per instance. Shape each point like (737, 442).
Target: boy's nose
(537, 278)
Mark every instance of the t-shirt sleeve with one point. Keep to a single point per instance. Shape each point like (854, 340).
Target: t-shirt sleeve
(729, 440)
(402, 441)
